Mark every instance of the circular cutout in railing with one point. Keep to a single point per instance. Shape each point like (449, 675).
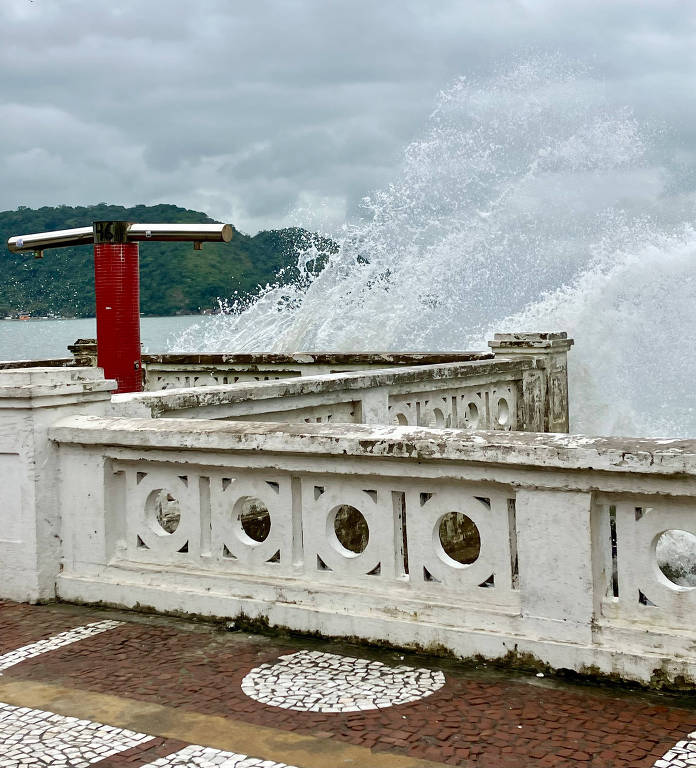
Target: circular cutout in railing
(312, 681)
(472, 416)
(676, 557)
(459, 538)
(351, 529)
(254, 518)
(503, 412)
(163, 510)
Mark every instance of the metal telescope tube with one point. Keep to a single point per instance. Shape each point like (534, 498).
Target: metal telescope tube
(56, 239)
(173, 233)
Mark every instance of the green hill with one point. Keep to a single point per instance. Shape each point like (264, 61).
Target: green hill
(174, 279)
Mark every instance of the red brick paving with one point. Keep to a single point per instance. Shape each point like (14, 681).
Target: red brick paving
(21, 624)
(479, 719)
(142, 755)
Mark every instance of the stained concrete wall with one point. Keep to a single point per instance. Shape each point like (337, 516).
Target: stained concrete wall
(31, 400)
(565, 573)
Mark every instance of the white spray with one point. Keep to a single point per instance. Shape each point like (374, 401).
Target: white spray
(529, 204)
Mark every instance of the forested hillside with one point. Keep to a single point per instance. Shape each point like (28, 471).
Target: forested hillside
(174, 279)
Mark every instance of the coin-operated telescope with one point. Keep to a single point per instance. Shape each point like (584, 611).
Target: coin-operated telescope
(117, 282)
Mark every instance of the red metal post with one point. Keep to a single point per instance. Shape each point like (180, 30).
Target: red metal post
(117, 288)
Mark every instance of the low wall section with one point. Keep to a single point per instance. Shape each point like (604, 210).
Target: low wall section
(523, 387)
(564, 570)
(173, 371)
(494, 543)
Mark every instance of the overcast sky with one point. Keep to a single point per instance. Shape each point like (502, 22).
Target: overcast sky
(270, 112)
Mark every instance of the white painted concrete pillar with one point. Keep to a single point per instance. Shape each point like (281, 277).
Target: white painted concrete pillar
(374, 406)
(554, 541)
(550, 350)
(31, 400)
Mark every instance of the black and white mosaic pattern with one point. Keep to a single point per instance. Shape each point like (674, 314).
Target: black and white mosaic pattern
(51, 643)
(682, 754)
(311, 681)
(207, 757)
(32, 738)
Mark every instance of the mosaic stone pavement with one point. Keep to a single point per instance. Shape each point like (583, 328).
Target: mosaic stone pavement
(31, 737)
(312, 681)
(682, 755)
(191, 694)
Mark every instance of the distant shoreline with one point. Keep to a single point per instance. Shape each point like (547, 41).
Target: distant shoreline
(93, 317)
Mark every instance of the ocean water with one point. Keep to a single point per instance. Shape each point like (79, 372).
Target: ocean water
(41, 339)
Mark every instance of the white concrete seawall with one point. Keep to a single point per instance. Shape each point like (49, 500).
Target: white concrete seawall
(561, 530)
(544, 506)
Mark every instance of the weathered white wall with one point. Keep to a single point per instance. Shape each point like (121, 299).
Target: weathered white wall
(542, 584)
(524, 387)
(488, 394)
(568, 526)
(547, 389)
(172, 371)
(31, 400)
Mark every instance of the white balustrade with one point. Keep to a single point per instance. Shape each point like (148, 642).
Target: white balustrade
(481, 394)
(556, 535)
(301, 502)
(493, 405)
(171, 371)
(523, 386)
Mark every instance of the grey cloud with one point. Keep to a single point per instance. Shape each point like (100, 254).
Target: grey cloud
(254, 109)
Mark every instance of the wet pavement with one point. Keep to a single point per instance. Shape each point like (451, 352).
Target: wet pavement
(84, 686)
